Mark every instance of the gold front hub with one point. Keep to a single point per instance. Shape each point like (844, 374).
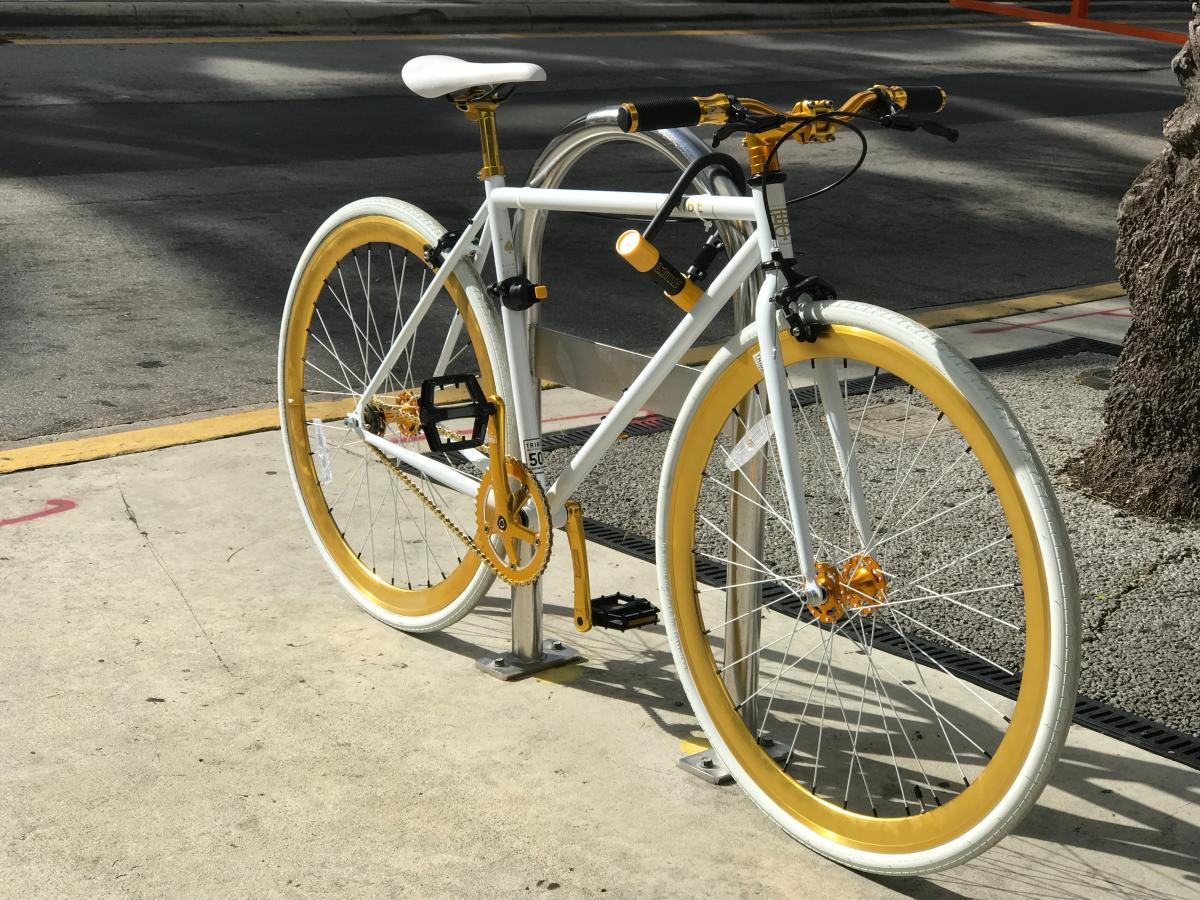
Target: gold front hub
(864, 584)
(829, 580)
(859, 586)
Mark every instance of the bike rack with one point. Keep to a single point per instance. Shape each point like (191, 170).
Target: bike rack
(605, 371)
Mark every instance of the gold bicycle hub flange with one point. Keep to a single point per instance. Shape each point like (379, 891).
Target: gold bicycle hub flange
(864, 586)
(830, 609)
(859, 586)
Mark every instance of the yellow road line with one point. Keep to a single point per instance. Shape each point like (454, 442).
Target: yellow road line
(997, 309)
(157, 437)
(60, 453)
(1182, 25)
(971, 312)
(506, 36)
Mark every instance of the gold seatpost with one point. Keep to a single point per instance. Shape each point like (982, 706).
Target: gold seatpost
(483, 112)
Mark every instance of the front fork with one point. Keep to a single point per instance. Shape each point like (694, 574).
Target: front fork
(783, 426)
(833, 402)
(746, 520)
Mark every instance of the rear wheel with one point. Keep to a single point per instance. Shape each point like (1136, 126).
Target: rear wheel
(908, 721)
(354, 289)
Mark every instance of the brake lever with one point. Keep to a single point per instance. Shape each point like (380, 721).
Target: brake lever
(741, 119)
(897, 120)
(726, 130)
(902, 122)
(940, 130)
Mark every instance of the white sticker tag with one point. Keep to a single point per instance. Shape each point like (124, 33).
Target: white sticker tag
(533, 455)
(751, 443)
(323, 457)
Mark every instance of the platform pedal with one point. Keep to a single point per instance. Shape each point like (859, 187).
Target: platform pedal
(621, 612)
(432, 413)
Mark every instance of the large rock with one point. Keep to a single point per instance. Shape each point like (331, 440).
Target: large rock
(1148, 458)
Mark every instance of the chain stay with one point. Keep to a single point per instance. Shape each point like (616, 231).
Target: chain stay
(457, 532)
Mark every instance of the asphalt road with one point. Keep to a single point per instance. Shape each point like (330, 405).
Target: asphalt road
(154, 198)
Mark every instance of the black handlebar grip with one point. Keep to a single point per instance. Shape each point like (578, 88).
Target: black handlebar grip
(924, 100)
(655, 114)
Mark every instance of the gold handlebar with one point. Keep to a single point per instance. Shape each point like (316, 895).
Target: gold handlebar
(715, 110)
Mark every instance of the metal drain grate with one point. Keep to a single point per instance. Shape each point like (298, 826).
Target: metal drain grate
(1093, 714)
(1144, 733)
(657, 424)
(652, 423)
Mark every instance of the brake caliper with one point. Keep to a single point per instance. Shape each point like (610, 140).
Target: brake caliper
(797, 298)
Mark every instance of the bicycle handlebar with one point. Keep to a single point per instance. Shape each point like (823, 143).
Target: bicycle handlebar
(685, 112)
(925, 99)
(654, 115)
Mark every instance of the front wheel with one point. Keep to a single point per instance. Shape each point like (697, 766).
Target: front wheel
(355, 289)
(907, 721)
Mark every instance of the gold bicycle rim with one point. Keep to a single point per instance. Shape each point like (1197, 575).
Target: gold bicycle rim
(881, 835)
(355, 233)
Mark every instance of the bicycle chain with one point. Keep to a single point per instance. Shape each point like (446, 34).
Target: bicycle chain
(467, 541)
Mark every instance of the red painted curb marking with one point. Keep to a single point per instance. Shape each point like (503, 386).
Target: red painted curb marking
(1120, 312)
(52, 507)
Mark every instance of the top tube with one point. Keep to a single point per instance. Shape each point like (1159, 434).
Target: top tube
(695, 206)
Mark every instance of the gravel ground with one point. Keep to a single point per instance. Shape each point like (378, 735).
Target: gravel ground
(1140, 578)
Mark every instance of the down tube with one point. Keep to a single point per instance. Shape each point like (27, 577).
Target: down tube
(686, 333)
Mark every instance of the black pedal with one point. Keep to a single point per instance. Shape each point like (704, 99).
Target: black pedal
(621, 612)
(477, 408)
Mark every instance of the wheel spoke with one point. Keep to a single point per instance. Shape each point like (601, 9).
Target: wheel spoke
(942, 589)
(344, 316)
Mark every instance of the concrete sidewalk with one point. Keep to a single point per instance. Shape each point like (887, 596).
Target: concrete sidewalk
(423, 16)
(191, 706)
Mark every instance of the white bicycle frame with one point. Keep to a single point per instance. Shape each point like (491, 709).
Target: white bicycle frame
(770, 235)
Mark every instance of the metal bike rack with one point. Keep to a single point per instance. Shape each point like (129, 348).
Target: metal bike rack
(600, 369)
(606, 371)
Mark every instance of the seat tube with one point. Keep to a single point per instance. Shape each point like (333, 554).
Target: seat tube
(517, 327)
(528, 652)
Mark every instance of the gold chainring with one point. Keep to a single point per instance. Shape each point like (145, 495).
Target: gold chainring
(523, 530)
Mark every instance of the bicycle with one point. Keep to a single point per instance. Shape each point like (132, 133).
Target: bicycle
(879, 634)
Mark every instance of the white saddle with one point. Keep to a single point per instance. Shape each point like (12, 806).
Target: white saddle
(437, 76)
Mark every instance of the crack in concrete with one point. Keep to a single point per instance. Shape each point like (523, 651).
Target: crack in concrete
(162, 565)
(1114, 603)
